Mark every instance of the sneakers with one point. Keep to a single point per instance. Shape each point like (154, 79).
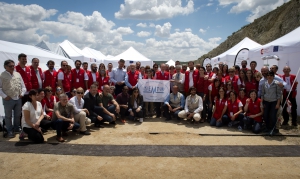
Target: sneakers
(87, 121)
(230, 124)
(240, 128)
(22, 135)
(141, 120)
(85, 132)
(10, 134)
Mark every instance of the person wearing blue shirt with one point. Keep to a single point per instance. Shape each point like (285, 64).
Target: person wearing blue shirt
(173, 104)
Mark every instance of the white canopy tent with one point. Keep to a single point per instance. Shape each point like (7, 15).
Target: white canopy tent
(94, 53)
(229, 56)
(130, 55)
(76, 54)
(171, 62)
(53, 48)
(9, 50)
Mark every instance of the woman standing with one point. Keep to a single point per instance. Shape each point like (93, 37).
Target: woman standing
(103, 79)
(253, 112)
(219, 109)
(234, 109)
(202, 90)
(271, 97)
(213, 90)
(136, 105)
(250, 82)
(32, 115)
(242, 79)
(225, 70)
(229, 88)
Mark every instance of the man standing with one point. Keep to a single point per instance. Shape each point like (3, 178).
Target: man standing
(138, 66)
(193, 106)
(233, 78)
(177, 63)
(26, 75)
(198, 65)
(173, 104)
(62, 118)
(292, 91)
(109, 69)
(36, 74)
(63, 78)
(274, 69)
(210, 73)
(93, 75)
(132, 77)
(109, 105)
(123, 100)
(91, 103)
(85, 67)
(191, 78)
(79, 76)
(12, 89)
(50, 76)
(253, 65)
(244, 65)
(177, 78)
(118, 77)
(183, 68)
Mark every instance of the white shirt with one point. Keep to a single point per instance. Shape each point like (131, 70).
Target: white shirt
(60, 76)
(288, 85)
(77, 107)
(220, 101)
(39, 78)
(86, 77)
(191, 82)
(23, 90)
(94, 76)
(240, 83)
(34, 114)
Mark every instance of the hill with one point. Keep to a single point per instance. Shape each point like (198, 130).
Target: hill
(263, 30)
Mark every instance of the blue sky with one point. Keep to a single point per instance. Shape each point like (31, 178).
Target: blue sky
(159, 29)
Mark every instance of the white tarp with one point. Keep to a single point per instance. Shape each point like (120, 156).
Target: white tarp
(76, 54)
(53, 48)
(171, 62)
(94, 53)
(130, 55)
(286, 48)
(228, 57)
(206, 61)
(154, 90)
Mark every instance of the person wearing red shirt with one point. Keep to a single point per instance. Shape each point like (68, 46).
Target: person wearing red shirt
(103, 79)
(79, 76)
(64, 78)
(253, 65)
(160, 75)
(242, 79)
(242, 96)
(244, 65)
(25, 72)
(183, 68)
(50, 76)
(109, 72)
(210, 73)
(222, 79)
(36, 74)
(234, 110)
(85, 66)
(253, 112)
(219, 109)
(45, 123)
(191, 78)
(93, 75)
(137, 66)
(250, 82)
(131, 78)
(225, 70)
(292, 90)
(213, 90)
(202, 90)
(233, 78)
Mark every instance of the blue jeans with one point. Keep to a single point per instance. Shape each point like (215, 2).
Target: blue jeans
(256, 126)
(270, 113)
(9, 106)
(60, 125)
(106, 117)
(213, 122)
(167, 113)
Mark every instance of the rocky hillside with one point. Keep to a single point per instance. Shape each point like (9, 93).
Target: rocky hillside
(263, 30)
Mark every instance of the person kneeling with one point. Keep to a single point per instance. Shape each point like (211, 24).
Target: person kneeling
(135, 105)
(32, 115)
(174, 103)
(219, 109)
(62, 118)
(193, 106)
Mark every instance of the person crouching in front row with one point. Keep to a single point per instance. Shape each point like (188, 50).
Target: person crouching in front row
(193, 107)
(173, 104)
(136, 105)
(63, 118)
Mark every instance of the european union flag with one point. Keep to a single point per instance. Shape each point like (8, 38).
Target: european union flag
(275, 48)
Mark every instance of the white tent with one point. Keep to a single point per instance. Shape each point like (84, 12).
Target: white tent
(53, 48)
(284, 51)
(130, 55)
(94, 53)
(9, 50)
(171, 62)
(76, 54)
(228, 57)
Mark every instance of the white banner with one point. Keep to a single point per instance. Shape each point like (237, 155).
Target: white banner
(154, 90)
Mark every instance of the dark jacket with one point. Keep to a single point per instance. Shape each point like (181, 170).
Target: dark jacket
(140, 102)
(89, 103)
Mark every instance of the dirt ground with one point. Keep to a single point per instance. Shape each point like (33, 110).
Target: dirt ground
(156, 132)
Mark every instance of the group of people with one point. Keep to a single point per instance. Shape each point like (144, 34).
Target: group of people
(70, 99)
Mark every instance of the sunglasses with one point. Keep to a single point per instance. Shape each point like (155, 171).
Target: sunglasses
(49, 91)
(58, 89)
(79, 92)
(74, 91)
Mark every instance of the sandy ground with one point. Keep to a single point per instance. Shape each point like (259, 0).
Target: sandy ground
(163, 133)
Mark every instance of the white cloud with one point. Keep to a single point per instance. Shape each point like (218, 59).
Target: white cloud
(257, 8)
(202, 31)
(209, 4)
(177, 30)
(188, 30)
(143, 34)
(125, 30)
(142, 25)
(163, 31)
(151, 25)
(153, 9)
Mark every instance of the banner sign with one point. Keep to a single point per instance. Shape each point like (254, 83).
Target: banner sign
(154, 90)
